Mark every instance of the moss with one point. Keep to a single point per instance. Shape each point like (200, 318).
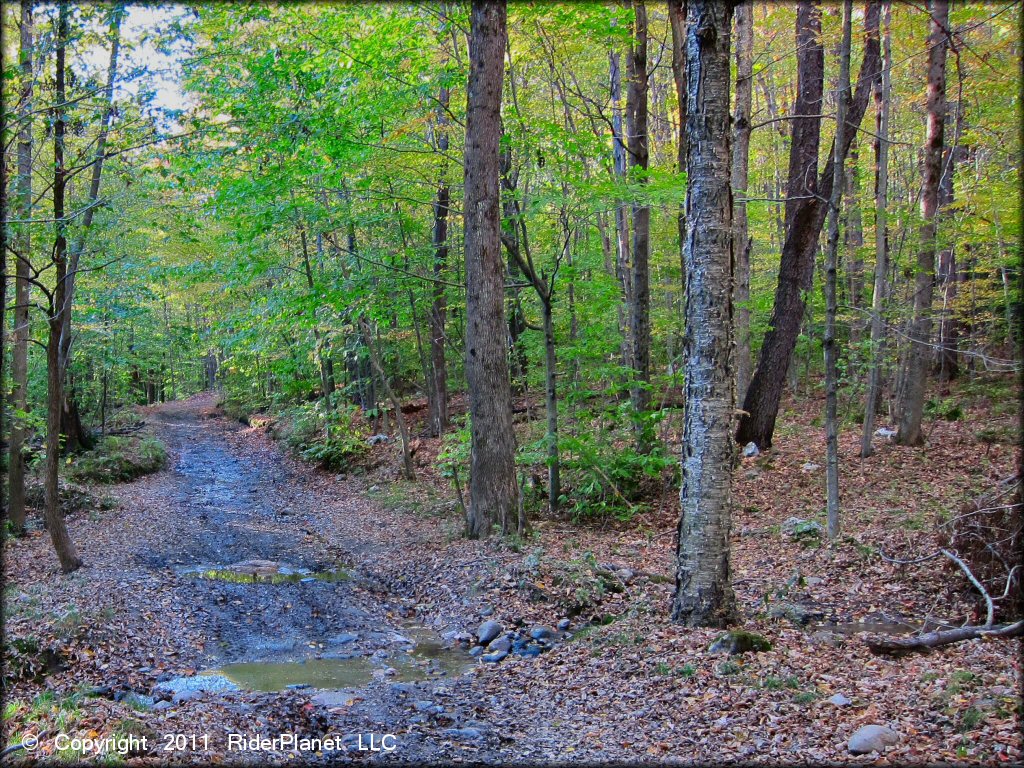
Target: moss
(737, 642)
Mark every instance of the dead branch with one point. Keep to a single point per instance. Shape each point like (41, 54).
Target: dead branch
(990, 607)
(929, 640)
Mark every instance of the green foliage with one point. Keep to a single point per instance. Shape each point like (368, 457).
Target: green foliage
(944, 408)
(118, 459)
(333, 438)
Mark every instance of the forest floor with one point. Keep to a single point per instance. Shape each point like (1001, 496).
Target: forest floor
(368, 581)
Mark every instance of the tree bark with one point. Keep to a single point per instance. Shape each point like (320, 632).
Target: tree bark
(948, 367)
(493, 492)
(65, 548)
(23, 250)
(831, 285)
(742, 242)
(919, 353)
(805, 214)
(623, 259)
(881, 279)
(703, 593)
(438, 389)
(637, 145)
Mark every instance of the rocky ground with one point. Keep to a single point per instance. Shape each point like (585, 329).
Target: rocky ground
(241, 554)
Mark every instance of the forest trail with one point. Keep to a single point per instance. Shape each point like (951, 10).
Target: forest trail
(280, 605)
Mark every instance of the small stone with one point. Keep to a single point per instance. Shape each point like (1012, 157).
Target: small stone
(463, 733)
(344, 638)
(625, 575)
(839, 700)
(564, 625)
(885, 432)
(825, 637)
(494, 658)
(486, 611)
(374, 488)
(501, 644)
(529, 652)
(161, 706)
(872, 738)
(488, 631)
(422, 705)
(813, 581)
(750, 449)
(542, 633)
(810, 466)
(798, 528)
(476, 650)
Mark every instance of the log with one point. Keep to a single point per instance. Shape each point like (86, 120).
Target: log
(929, 640)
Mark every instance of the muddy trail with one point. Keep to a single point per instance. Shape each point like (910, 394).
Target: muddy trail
(279, 603)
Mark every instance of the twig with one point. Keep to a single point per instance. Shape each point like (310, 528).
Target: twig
(973, 579)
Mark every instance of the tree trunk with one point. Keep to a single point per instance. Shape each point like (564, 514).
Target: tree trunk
(493, 492)
(740, 179)
(623, 270)
(948, 367)
(831, 285)
(19, 365)
(880, 291)
(637, 145)
(919, 353)
(65, 548)
(438, 389)
(408, 471)
(703, 594)
(551, 405)
(853, 239)
(805, 215)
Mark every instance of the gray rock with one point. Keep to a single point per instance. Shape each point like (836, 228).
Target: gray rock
(160, 706)
(813, 581)
(542, 633)
(810, 466)
(563, 625)
(825, 637)
(797, 527)
(343, 639)
(463, 733)
(502, 644)
(212, 683)
(494, 658)
(423, 705)
(374, 439)
(750, 449)
(794, 612)
(138, 701)
(476, 650)
(486, 611)
(872, 738)
(625, 575)
(885, 432)
(839, 700)
(488, 631)
(182, 696)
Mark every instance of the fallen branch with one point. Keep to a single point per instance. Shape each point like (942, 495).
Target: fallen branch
(930, 640)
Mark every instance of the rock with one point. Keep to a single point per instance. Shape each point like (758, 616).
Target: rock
(798, 528)
(476, 650)
(885, 432)
(494, 658)
(810, 466)
(463, 733)
(182, 696)
(813, 581)
(208, 683)
(488, 631)
(161, 706)
(343, 639)
(794, 612)
(298, 686)
(500, 645)
(825, 637)
(138, 701)
(564, 625)
(102, 690)
(625, 575)
(737, 642)
(750, 449)
(542, 633)
(374, 439)
(529, 652)
(422, 705)
(486, 611)
(872, 738)
(839, 700)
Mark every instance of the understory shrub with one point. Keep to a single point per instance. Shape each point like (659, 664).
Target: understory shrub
(333, 438)
(118, 459)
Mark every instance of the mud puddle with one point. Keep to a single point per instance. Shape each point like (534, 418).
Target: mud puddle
(264, 572)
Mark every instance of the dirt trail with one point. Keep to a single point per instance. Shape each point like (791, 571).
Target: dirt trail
(221, 506)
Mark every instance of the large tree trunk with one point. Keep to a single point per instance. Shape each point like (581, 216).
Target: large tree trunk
(438, 390)
(805, 214)
(831, 286)
(66, 552)
(912, 407)
(740, 179)
(703, 595)
(493, 492)
(637, 144)
(948, 367)
(880, 292)
(19, 365)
